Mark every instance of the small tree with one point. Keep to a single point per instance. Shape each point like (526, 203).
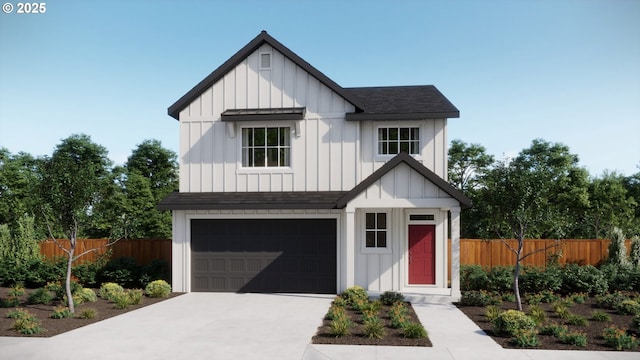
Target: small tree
(634, 256)
(617, 250)
(529, 197)
(72, 181)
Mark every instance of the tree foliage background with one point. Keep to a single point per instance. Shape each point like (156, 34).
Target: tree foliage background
(121, 203)
(543, 192)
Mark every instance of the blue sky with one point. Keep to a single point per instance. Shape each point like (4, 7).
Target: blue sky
(565, 71)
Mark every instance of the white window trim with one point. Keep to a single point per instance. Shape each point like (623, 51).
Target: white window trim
(241, 169)
(386, 125)
(363, 232)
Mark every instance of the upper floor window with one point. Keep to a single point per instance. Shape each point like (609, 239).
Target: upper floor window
(393, 140)
(266, 147)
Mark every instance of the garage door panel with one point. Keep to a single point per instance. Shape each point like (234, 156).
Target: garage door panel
(264, 255)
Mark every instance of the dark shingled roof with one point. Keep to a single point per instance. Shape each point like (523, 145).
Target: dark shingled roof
(300, 199)
(371, 103)
(250, 200)
(402, 103)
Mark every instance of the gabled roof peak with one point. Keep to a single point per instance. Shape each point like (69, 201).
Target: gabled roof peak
(237, 58)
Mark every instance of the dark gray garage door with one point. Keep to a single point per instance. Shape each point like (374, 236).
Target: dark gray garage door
(264, 255)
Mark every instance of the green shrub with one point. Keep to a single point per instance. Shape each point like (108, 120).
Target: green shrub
(500, 279)
(473, 277)
(628, 307)
(477, 298)
(108, 291)
(87, 313)
(157, 269)
(414, 330)
(579, 298)
(537, 314)
(635, 323)
(9, 302)
(390, 297)
(60, 289)
(600, 316)
(561, 310)
(583, 279)
(340, 326)
(577, 320)
(25, 322)
(135, 296)
(335, 312)
(19, 314)
(40, 296)
(577, 338)
(492, 312)
(354, 295)
(158, 289)
(367, 315)
(88, 273)
(33, 273)
(374, 328)
(17, 290)
(554, 329)
(526, 338)
(534, 279)
(618, 338)
(87, 295)
(611, 301)
(372, 306)
(123, 270)
(511, 321)
(61, 312)
(121, 300)
(547, 296)
(621, 278)
(397, 315)
(28, 325)
(509, 296)
(339, 301)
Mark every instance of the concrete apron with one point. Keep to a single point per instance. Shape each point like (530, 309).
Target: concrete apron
(190, 326)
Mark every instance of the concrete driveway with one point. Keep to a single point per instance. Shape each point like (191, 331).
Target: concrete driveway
(262, 326)
(191, 326)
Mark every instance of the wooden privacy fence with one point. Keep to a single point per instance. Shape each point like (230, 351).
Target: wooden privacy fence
(487, 253)
(142, 250)
(494, 252)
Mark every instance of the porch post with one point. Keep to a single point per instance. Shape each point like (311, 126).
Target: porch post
(349, 250)
(455, 252)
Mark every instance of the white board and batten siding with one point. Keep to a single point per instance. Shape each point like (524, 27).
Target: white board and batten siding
(433, 145)
(323, 153)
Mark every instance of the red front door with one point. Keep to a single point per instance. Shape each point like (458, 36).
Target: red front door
(422, 246)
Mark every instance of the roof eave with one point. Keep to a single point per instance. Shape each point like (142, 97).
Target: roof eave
(362, 116)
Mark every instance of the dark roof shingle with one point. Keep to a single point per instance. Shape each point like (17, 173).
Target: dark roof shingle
(402, 103)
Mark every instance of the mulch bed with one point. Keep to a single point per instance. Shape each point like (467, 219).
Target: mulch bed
(393, 337)
(104, 310)
(593, 330)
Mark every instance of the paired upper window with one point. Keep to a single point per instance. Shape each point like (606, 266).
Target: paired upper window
(393, 140)
(266, 147)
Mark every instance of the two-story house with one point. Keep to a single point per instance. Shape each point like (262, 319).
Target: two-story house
(291, 183)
